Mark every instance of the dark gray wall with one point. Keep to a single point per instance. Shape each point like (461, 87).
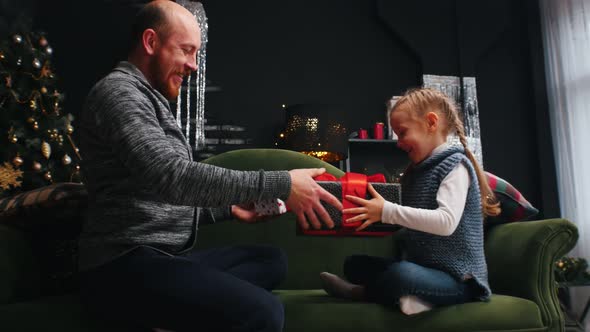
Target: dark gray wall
(360, 53)
(357, 54)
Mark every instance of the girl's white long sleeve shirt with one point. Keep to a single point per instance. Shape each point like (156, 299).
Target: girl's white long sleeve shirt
(451, 197)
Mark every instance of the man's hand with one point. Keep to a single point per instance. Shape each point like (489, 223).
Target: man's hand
(369, 210)
(306, 194)
(246, 213)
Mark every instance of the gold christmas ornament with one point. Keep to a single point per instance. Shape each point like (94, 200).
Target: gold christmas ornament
(77, 167)
(9, 176)
(13, 138)
(43, 41)
(36, 125)
(17, 161)
(66, 160)
(33, 104)
(36, 166)
(43, 90)
(47, 176)
(30, 119)
(45, 71)
(2, 57)
(45, 149)
(70, 129)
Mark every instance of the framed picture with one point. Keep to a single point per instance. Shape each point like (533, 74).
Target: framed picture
(463, 91)
(390, 104)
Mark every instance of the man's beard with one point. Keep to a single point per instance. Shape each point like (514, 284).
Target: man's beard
(169, 91)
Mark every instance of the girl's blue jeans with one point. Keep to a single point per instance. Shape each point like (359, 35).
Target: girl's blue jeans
(387, 280)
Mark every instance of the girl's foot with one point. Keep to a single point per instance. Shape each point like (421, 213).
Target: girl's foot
(411, 305)
(338, 287)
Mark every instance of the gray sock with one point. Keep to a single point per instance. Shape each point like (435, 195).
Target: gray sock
(338, 287)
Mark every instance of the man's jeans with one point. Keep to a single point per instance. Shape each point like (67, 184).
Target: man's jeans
(223, 289)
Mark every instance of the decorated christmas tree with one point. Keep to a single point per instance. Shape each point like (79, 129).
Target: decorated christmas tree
(571, 270)
(36, 145)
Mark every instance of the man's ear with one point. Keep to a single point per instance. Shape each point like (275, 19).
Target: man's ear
(149, 41)
(432, 120)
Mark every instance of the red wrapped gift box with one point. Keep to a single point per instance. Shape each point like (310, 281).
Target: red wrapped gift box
(355, 184)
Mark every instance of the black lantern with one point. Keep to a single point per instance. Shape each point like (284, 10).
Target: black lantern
(316, 130)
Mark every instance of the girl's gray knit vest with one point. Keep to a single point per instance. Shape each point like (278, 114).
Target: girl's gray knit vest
(462, 253)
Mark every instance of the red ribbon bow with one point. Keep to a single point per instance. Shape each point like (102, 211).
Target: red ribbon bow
(354, 184)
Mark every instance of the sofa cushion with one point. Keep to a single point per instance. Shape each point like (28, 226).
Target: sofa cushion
(313, 310)
(515, 207)
(305, 310)
(53, 313)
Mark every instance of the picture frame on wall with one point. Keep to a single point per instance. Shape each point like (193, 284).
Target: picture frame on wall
(389, 105)
(463, 91)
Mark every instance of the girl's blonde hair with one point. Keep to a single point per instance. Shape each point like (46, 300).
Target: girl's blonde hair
(423, 100)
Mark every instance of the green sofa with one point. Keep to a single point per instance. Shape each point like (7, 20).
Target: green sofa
(520, 259)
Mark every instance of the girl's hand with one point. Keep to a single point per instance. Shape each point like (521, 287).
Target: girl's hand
(369, 210)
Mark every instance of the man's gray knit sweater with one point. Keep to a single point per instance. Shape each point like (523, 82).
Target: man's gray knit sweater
(143, 185)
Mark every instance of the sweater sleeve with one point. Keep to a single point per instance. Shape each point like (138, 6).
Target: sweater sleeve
(451, 197)
(216, 214)
(128, 118)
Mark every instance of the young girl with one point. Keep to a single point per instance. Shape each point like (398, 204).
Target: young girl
(446, 197)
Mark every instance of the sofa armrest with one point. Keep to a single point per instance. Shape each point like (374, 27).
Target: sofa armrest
(520, 259)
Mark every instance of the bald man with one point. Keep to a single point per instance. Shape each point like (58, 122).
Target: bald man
(135, 248)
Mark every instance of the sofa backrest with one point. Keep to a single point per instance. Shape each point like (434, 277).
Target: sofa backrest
(308, 255)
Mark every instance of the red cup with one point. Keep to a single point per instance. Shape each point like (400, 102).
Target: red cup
(378, 130)
(363, 134)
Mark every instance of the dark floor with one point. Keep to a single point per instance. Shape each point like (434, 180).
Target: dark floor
(571, 321)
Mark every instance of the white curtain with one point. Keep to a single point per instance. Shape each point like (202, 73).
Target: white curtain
(566, 34)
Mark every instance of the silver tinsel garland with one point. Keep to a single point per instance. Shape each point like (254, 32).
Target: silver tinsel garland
(194, 109)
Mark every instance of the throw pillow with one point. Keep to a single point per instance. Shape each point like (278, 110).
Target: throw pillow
(514, 206)
(37, 207)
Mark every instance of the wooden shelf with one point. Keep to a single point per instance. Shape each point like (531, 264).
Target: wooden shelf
(371, 140)
(374, 156)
